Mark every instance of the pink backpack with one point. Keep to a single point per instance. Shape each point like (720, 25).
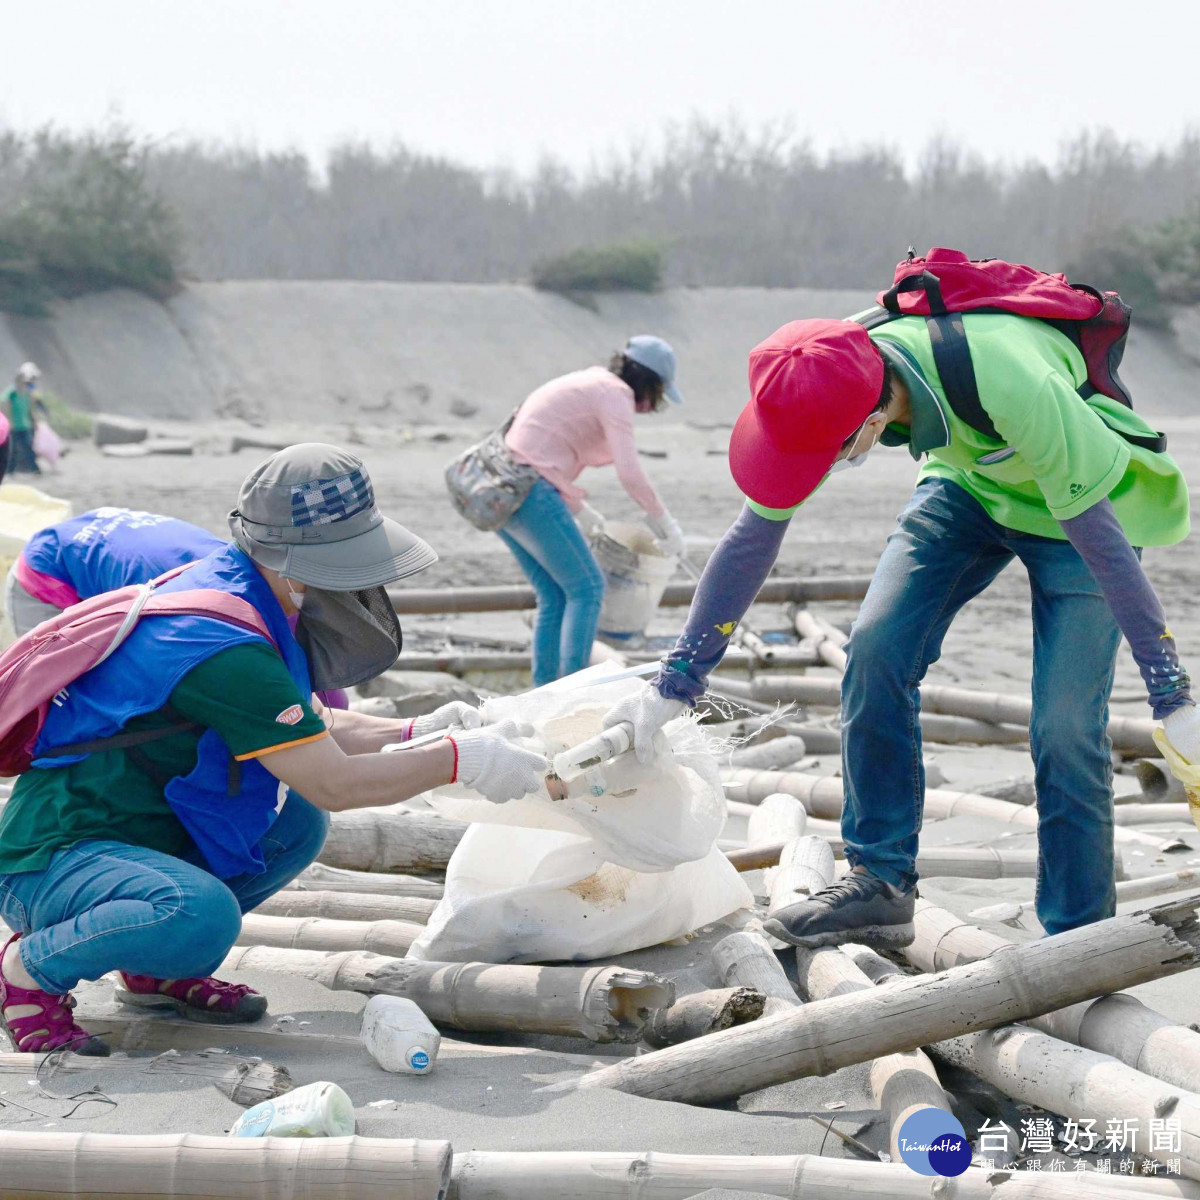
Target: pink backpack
(36, 667)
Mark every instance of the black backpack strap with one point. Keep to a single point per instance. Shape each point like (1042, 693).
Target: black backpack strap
(926, 282)
(952, 356)
(128, 741)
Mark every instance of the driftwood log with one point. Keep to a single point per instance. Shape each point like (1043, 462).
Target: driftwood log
(772, 755)
(703, 1013)
(391, 839)
(1037, 1068)
(1153, 813)
(584, 1175)
(348, 906)
(1130, 734)
(1118, 1025)
(745, 959)
(604, 1004)
(1015, 983)
(333, 879)
(822, 797)
(805, 866)
(828, 642)
(779, 818)
(316, 933)
(220, 1168)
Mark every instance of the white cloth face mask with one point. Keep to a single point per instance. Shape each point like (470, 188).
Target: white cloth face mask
(844, 464)
(297, 598)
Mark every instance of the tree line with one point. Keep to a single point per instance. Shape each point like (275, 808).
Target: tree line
(721, 203)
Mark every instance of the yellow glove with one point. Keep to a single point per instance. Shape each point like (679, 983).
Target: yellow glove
(1184, 771)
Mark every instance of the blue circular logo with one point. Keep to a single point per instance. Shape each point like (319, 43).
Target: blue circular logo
(418, 1060)
(933, 1142)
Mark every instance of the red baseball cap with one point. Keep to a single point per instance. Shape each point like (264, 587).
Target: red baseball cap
(812, 384)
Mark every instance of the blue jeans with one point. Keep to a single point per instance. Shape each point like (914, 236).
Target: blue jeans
(946, 550)
(568, 581)
(107, 906)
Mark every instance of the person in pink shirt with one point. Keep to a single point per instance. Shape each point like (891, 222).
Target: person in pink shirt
(584, 419)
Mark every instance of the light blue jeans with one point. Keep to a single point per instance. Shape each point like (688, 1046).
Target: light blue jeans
(944, 551)
(105, 906)
(568, 581)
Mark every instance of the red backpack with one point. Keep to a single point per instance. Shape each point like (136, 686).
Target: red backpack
(945, 284)
(36, 667)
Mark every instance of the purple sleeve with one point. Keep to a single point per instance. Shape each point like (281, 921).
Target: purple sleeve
(738, 568)
(1102, 544)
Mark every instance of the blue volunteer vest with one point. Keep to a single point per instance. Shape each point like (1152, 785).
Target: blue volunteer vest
(140, 677)
(109, 548)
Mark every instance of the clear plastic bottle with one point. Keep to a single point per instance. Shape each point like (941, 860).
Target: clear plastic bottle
(399, 1035)
(316, 1110)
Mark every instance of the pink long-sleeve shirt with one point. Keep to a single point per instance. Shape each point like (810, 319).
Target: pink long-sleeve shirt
(580, 420)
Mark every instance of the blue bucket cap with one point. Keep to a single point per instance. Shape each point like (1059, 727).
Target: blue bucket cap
(655, 355)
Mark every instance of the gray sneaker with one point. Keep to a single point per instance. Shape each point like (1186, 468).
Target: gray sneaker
(857, 908)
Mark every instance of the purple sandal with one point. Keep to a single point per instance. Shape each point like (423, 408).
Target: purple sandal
(51, 1028)
(210, 1000)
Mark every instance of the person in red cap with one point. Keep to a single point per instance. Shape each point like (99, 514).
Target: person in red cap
(1064, 491)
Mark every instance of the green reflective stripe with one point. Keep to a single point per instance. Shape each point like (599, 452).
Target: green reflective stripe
(771, 514)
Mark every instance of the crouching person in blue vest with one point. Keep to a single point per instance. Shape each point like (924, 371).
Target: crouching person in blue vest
(169, 814)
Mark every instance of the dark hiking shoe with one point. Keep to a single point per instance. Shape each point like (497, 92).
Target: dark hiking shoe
(857, 908)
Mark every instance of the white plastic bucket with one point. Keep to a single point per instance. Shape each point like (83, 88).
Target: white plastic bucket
(636, 573)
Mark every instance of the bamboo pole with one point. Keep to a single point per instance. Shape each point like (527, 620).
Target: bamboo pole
(315, 933)
(822, 692)
(1131, 734)
(463, 662)
(779, 818)
(822, 797)
(163, 1166)
(745, 959)
(348, 906)
(805, 867)
(1013, 984)
(391, 839)
(604, 1004)
(1118, 1025)
(969, 862)
(702, 1013)
(615, 1175)
(677, 595)
(333, 879)
(772, 755)
(1156, 885)
(829, 642)
(1152, 814)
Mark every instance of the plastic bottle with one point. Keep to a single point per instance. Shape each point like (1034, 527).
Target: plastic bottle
(316, 1110)
(399, 1035)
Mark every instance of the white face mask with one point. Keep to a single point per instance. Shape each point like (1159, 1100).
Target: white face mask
(297, 598)
(850, 460)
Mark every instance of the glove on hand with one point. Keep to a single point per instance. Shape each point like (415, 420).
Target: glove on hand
(490, 764)
(1182, 727)
(457, 712)
(669, 534)
(590, 521)
(647, 710)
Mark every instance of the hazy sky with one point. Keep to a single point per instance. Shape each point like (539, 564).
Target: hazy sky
(494, 82)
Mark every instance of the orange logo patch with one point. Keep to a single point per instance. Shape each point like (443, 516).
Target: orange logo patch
(290, 716)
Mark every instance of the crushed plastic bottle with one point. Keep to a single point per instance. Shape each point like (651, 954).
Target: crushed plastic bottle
(319, 1109)
(399, 1035)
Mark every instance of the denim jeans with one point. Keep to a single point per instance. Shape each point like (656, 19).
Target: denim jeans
(568, 581)
(22, 457)
(944, 551)
(103, 906)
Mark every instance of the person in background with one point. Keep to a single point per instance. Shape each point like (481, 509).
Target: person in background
(98, 551)
(584, 419)
(189, 775)
(1067, 494)
(22, 408)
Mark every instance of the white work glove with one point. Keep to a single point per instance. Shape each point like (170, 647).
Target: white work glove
(490, 764)
(590, 521)
(647, 710)
(1182, 727)
(457, 712)
(670, 536)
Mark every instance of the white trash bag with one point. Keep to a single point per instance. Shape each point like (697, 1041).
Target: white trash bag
(540, 880)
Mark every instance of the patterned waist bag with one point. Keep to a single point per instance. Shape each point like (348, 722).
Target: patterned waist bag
(486, 484)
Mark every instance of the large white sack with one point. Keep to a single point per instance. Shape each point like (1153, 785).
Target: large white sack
(518, 895)
(649, 818)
